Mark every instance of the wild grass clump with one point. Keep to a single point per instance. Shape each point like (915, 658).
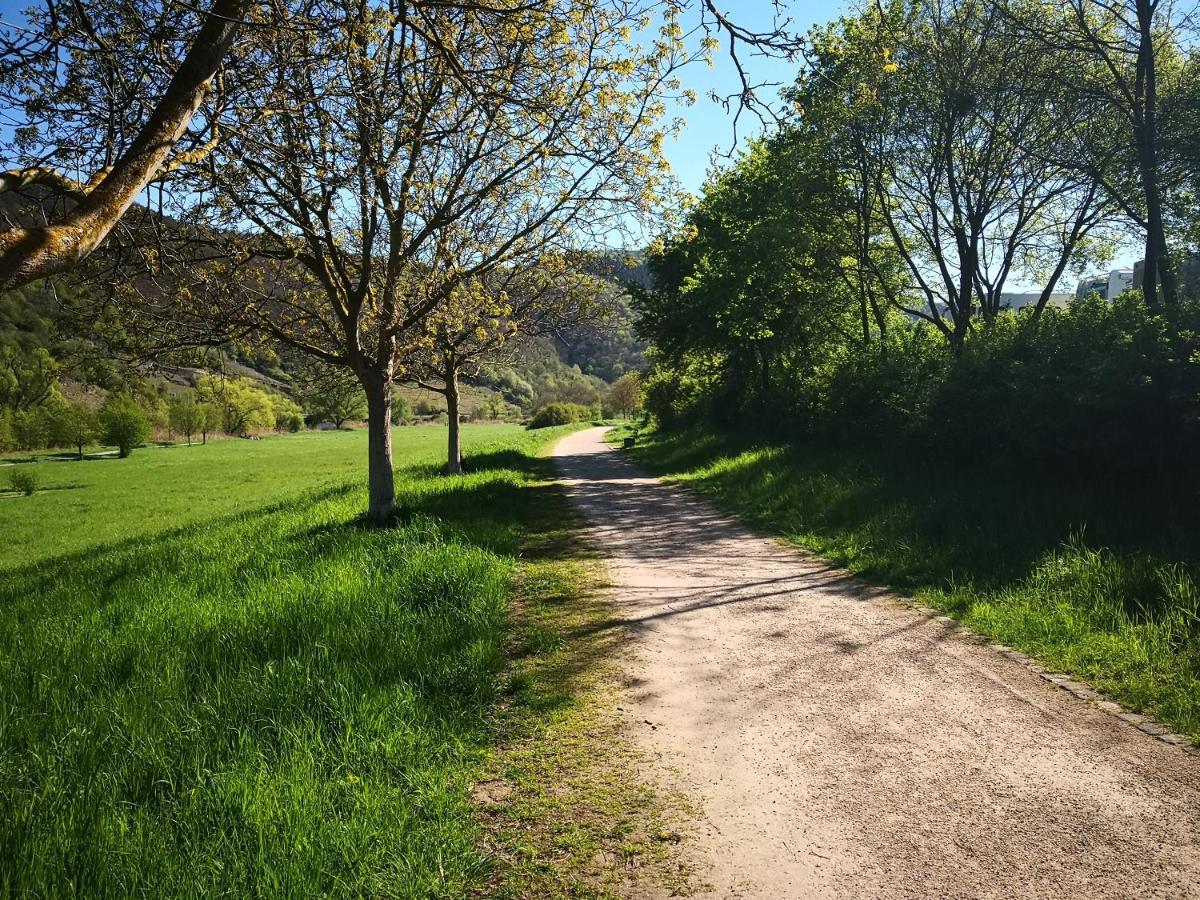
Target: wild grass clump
(24, 480)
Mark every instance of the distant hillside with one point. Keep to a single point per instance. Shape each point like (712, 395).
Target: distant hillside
(575, 362)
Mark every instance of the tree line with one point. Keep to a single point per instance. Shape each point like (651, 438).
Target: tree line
(851, 273)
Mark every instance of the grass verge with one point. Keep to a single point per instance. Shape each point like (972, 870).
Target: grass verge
(274, 702)
(562, 809)
(1097, 579)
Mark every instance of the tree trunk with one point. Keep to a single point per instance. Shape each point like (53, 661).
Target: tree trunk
(380, 480)
(454, 444)
(80, 446)
(1157, 268)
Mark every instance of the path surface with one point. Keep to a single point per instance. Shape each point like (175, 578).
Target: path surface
(840, 744)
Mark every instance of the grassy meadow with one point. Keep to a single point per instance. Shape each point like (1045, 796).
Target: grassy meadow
(1096, 579)
(215, 681)
(99, 501)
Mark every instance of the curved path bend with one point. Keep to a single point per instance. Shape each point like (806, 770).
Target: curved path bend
(840, 744)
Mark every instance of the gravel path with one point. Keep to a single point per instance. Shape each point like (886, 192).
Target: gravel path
(840, 744)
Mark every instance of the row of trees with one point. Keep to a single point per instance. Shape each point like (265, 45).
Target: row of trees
(35, 414)
(937, 153)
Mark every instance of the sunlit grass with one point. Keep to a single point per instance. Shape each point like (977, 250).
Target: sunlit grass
(98, 501)
(273, 701)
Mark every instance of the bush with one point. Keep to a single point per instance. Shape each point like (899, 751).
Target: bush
(125, 424)
(559, 414)
(24, 479)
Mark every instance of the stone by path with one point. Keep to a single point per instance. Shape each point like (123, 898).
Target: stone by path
(840, 744)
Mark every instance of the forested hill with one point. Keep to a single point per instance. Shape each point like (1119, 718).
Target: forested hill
(574, 359)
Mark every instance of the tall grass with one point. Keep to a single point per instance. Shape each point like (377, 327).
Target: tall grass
(278, 702)
(1096, 578)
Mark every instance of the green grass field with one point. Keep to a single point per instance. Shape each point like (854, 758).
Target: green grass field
(1099, 579)
(215, 681)
(98, 501)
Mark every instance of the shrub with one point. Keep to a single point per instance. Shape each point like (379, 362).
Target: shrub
(24, 479)
(125, 424)
(402, 410)
(559, 414)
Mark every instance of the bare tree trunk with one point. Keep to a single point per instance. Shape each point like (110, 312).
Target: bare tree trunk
(381, 486)
(454, 447)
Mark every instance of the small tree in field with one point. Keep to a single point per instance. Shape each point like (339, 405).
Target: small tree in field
(625, 396)
(74, 424)
(125, 424)
(187, 416)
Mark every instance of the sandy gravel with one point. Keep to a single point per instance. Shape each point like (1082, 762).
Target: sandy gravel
(839, 744)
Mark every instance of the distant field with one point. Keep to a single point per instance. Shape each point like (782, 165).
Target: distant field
(271, 700)
(94, 502)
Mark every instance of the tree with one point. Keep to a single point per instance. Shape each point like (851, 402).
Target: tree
(124, 424)
(747, 290)
(481, 317)
(329, 393)
(362, 184)
(1110, 58)
(28, 379)
(148, 105)
(242, 407)
(74, 424)
(187, 415)
(972, 185)
(31, 428)
(210, 419)
(402, 411)
(625, 396)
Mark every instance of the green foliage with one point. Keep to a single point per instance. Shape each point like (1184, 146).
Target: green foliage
(125, 423)
(625, 396)
(402, 411)
(73, 424)
(188, 416)
(559, 414)
(26, 378)
(31, 428)
(24, 479)
(243, 407)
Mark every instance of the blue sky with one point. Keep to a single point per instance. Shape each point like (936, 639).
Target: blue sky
(708, 124)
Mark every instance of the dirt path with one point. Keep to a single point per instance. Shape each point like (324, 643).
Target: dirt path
(840, 744)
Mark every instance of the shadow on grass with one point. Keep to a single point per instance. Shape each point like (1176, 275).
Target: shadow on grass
(180, 679)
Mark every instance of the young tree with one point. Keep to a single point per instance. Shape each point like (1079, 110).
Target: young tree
(124, 424)
(187, 415)
(74, 424)
(625, 395)
(481, 317)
